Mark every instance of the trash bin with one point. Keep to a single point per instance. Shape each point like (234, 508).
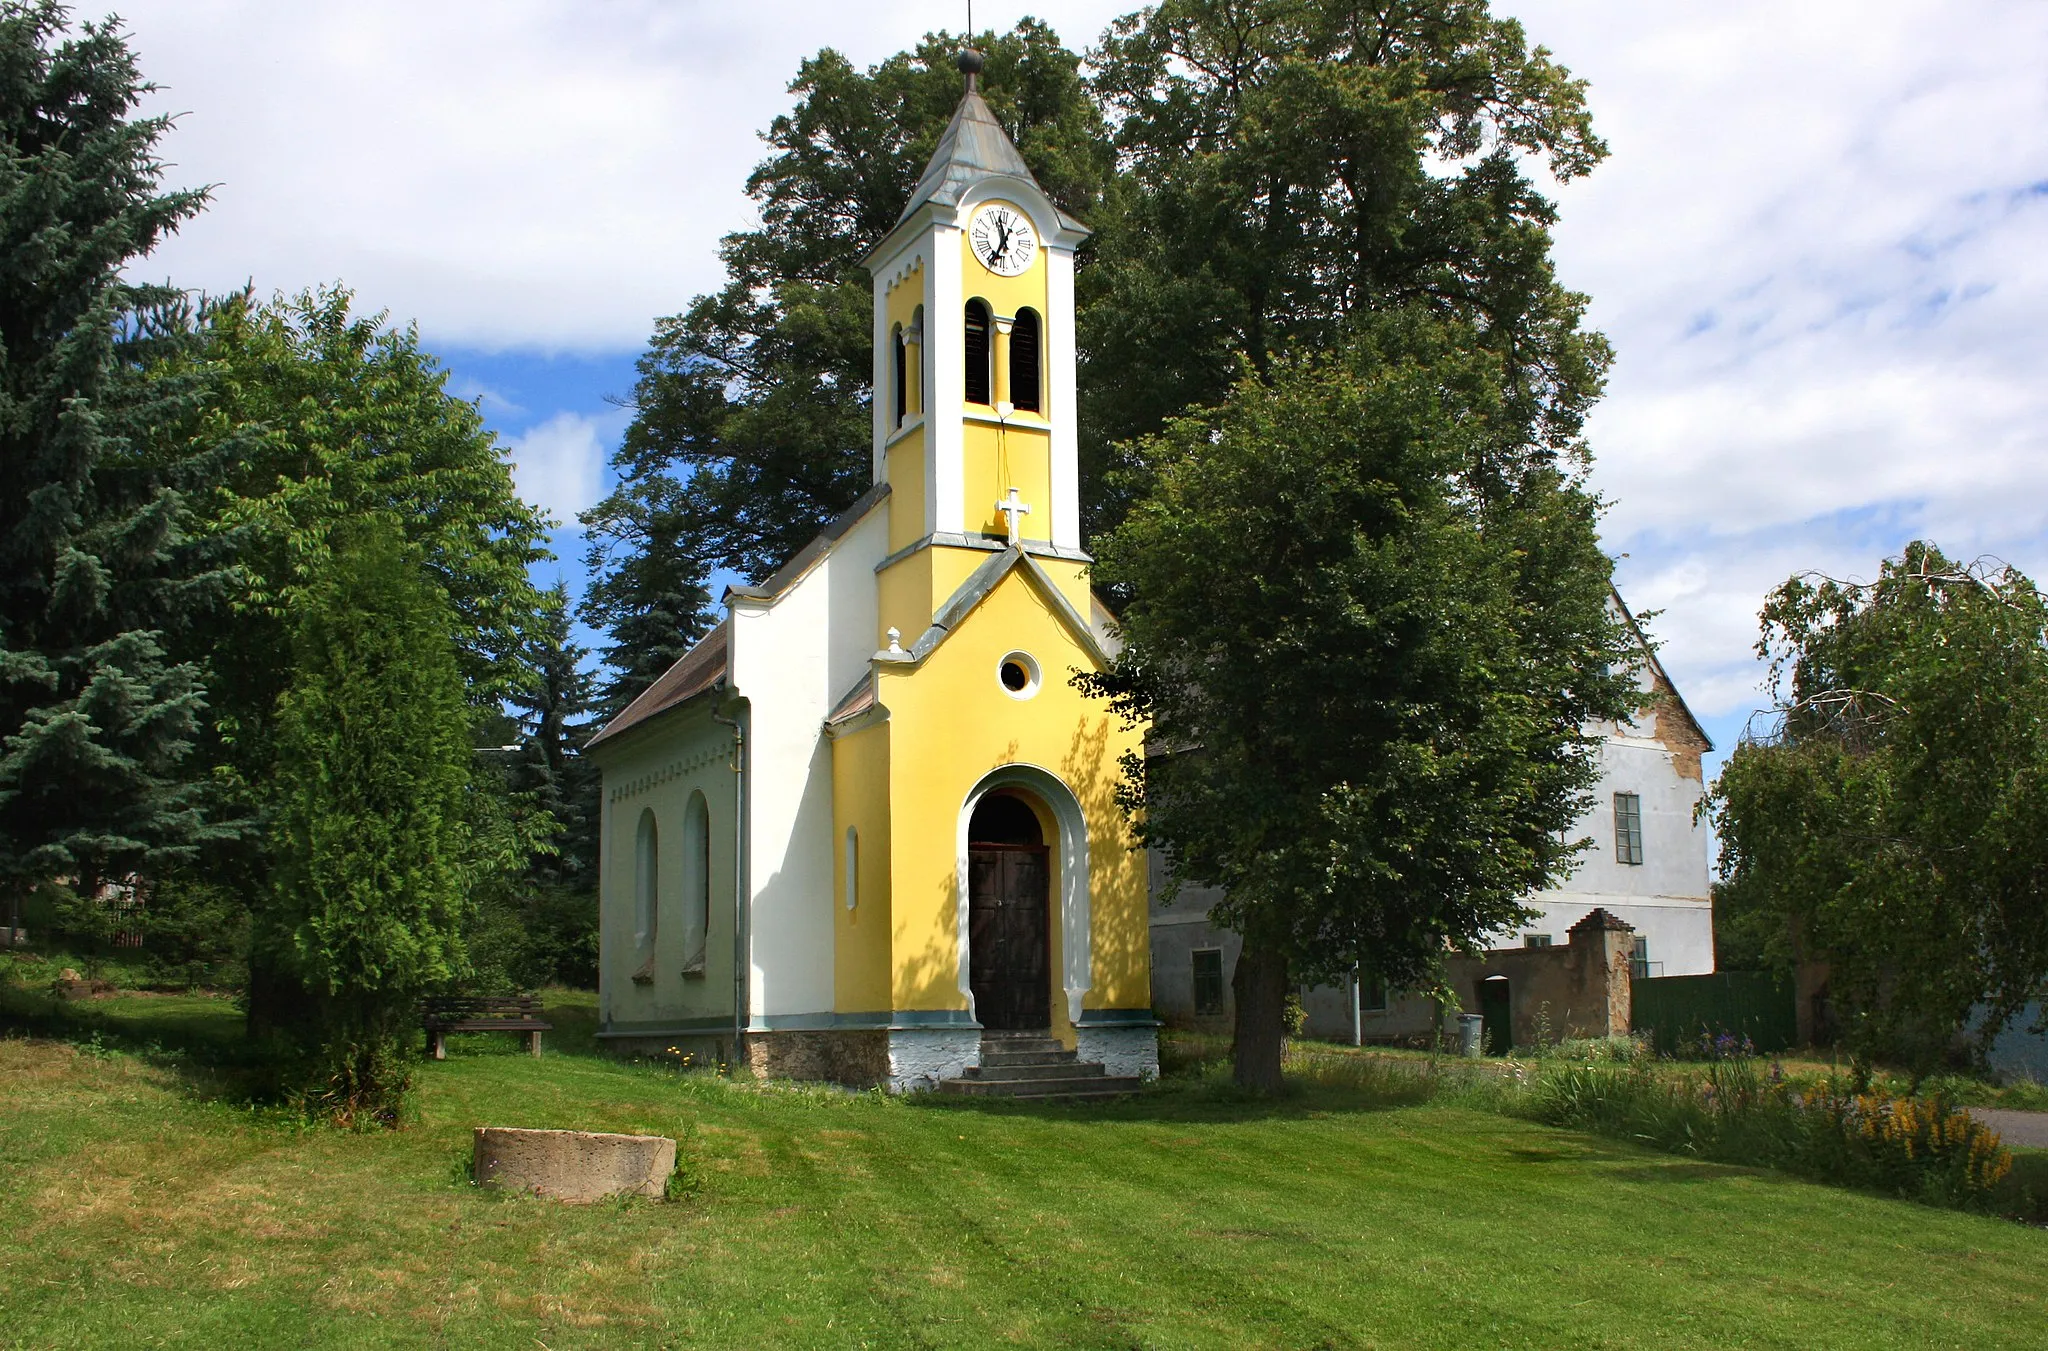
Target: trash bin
(1470, 1028)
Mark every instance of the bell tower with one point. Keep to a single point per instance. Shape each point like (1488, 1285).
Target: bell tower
(974, 381)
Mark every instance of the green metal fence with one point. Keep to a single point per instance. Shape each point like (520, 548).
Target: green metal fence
(1676, 1010)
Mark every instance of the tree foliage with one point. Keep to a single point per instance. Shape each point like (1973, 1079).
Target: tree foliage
(1895, 824)
(309, 418)
(373, 841)
(96, 716)
(752, 412)
(1369, 626)
(1295, 165)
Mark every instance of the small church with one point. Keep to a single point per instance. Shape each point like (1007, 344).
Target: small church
(866, 830)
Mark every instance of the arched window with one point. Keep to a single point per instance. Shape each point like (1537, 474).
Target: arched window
(852, 867)
(696, 882)
(1024, 348)
(902, 375)
(978, 373)
(646, 880)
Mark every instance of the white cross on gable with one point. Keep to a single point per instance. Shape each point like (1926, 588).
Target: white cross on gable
(1012, 509)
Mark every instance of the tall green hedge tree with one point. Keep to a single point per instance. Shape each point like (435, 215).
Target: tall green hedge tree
(1368, 629)
(310, 418)
(373, 849)
(96, 717)
(1894, 823)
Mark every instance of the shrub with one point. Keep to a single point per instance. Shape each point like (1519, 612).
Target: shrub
(1923, 1148)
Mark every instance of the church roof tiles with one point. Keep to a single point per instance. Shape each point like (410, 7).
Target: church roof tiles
(701, 667)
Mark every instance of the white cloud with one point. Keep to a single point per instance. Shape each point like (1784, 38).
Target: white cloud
(1818, 246)
(508, 172)
(559, 464)
(1818, 250)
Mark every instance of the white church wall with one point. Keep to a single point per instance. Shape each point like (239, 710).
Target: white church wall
(657, 771)
(791, 661)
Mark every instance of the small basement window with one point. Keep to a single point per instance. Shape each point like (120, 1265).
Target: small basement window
(1628, 828)
(1208, 980)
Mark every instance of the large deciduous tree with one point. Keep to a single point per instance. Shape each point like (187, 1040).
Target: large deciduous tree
(96, 716)
(1368, 626)
(1295, 164)
(1894, 825)
(752, 408)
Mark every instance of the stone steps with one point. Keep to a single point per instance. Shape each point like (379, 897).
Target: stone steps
(1034, 1066)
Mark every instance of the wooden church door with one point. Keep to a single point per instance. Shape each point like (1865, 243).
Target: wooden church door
(1009, 930)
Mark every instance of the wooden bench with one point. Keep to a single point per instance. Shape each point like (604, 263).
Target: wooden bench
(483, 1013)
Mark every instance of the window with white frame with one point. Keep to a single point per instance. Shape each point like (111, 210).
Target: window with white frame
(1628, 828)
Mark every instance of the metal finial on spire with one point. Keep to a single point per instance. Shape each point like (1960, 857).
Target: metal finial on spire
(970, 62)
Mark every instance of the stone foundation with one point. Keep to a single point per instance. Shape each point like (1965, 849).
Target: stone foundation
(858, 1058)
(921, 1056)
(1125, 1050)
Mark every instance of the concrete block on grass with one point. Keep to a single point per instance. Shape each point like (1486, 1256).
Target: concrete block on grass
(573, 1165)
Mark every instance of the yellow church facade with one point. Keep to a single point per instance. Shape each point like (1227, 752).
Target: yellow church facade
(868, 823)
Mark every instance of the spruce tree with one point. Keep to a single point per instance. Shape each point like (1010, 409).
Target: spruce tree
(554, 722)
(95, 718)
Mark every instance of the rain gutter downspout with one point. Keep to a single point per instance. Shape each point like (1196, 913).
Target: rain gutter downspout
(738, 765)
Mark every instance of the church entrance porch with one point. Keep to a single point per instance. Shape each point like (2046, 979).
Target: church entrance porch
(1009, 916)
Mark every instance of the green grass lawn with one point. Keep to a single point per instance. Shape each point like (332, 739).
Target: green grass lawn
(139, 1206)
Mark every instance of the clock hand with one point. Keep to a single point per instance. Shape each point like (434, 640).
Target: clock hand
(1003, 244)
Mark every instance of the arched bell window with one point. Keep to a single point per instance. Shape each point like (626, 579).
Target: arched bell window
(1024, 362)
(901, 373)
(979, 329)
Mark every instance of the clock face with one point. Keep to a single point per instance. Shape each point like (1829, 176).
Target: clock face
(1002, 239)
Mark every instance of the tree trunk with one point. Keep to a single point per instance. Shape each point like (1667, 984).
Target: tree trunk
(1260, 987)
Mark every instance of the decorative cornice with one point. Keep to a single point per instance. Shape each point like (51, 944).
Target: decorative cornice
(669, 773)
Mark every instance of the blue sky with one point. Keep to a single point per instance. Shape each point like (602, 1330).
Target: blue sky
(1818, 247)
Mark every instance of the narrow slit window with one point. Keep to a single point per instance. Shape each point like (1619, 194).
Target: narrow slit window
(1208, 980)
(1628, 827)
(902, 376)
(1024, 348)
(978, 348)
(852, 867)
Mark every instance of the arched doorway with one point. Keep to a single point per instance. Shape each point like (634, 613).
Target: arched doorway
(1009, 914)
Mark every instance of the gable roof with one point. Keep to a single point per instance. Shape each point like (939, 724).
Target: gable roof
(706, 664)
(1662, 678)
(977, 588)
(804, 559)
(702, 667)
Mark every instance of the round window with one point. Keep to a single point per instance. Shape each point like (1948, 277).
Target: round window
(1019, 675)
